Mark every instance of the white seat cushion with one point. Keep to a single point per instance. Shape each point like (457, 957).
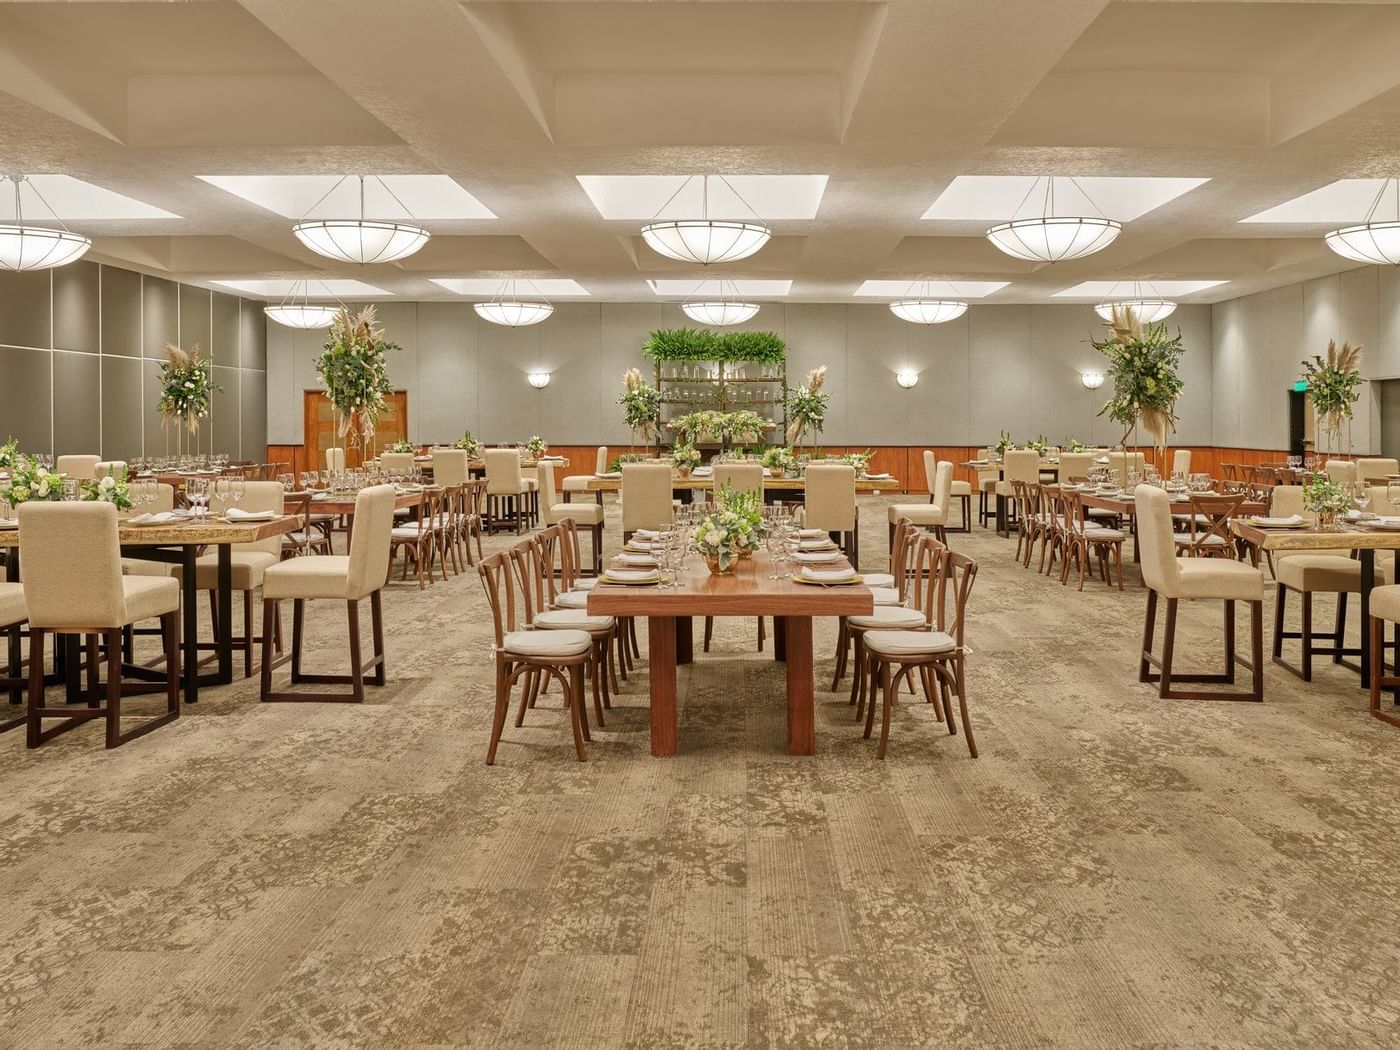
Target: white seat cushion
(405, 532)
(583, 513)
(12, 609)
(908, 643)
(1095, 532)
(878, 579)
(918, 513)
(312, 576)
(962, 488)
(247, 570)
(885, 595)
(1218, 578)
(141, 567)
(577, 619)
(576, 483)
(1322, 572)
(586, 584)
(987, 484)
(148, 596)
(571, 600)
(547, 643)
(1385, 603)
(888, 616)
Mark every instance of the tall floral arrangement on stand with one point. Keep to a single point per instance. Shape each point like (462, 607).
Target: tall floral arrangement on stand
(187, 390)
(641, 407)
(1334, 387)
(806, 407)
(1142, 362)
(354, 367)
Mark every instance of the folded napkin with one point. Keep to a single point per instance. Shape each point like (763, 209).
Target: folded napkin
(234, 514)
(816, 545)
(876, 477)
(608, 474)
(812, 534)
(646, 534)
(551, 459)
(632, 575)
(828, 575)
(702, 472)
(1292, 519)
(9, 523)
(1384, 521)
(817, 556)
(153, 519)
(635, 559)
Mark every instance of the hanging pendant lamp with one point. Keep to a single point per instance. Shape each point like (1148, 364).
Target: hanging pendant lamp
(705, 240)
(1144, 302)
(361, 241)
(1050, 237)
(721, 311)
(508, 309)
(920, 306)
(24, 246)
(1374, 240)
(297, 311)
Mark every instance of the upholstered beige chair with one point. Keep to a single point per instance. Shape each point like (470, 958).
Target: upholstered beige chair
(1122, 462)
(741, 477)
(1017, 465)
(12, 616)
(396, 462)
(110, 466)
(335, 460)
(579, 482)
(164, 501)
(1188, 579)
(1075, 465)
(933, 515)
(584, 515)
(248, 562)
(1181, 461)
(830, 505)
(646, 497)
(1376, 469)
(987, 478)
(73, 584)
(83, 468)
(349, 578)
(507, 495)
(1342, 471)
(450, 467)
(1385, 606)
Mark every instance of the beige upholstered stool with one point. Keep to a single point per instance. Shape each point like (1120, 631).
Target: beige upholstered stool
(1385, 605)
(584, 515)
(646, 497)
(932, 515)
(349, 578)
(1375, 469)
(507, 495)
(73, 584)
(335, 460)
(83, 468)
(830, 505)
(1342, 471)
(1017, 465)
(578, 483)
(1314, 572)
(12, 615)
(741, 477)
(111, 466)
(396, 462)
(1185, 579)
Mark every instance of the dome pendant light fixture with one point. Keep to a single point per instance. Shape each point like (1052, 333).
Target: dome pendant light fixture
(361, 240)
(1050, 237)
(1144, 302)
(705, 240)
(28, 247)
(920, 306)
(297, 311)
(722, 311)
(508, 309)
(1374, 240)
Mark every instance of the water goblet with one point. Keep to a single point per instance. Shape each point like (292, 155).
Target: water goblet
(1361, 495)
(197, 492)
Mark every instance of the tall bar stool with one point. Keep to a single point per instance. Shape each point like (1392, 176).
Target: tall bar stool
(830, 505)
(451, 473)
(579, 482)
(12, 616)
(1342, 471)
(349, 578)
(82, 468)
(73, 584)
(646, 497)
(335, 460)
(987, 478)
(1187, 579)
(1181, 461)
(1017, 465)
(1376, 470)
(932, 515)
(583, 515)
(741, 477)
(507, 495)
(1385, 606)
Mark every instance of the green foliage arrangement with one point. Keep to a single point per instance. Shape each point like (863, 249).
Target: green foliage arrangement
(1075, 445)
(536, 446)
(468, 444)
(779, 457)
(732, 531)
(354, 367)
(29, 481)
(1142, 362)
(1004, 443)
(744, 427)
(1040, 444)
(626, 457)
(1324, 496)
(111, 489)
(806, 407)
(685, 457)
(1334, 387)
(187, 387)
(691, 344)
(9, 452)
(859, 460)
(641, 406)
(401, 446)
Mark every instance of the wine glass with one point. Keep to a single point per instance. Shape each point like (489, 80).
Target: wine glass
(237, 490)
(775, 543)
(1361, 495)
(197, 492)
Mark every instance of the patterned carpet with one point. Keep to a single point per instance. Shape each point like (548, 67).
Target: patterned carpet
(1114, 871)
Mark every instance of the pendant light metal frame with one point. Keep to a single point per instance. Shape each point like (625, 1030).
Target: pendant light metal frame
(1371, 241)
(1145, 301)
(704, 240)
(720, 312)
(926, 308)
(304, 314)
(361, 241)
(29, 247)
(1054, 238)
(506, 308)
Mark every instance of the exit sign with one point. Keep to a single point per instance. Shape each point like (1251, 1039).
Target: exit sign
(1301, 386)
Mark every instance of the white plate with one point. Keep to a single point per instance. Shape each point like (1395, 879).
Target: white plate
(817, 556)
(9, 523)
(1388, 524)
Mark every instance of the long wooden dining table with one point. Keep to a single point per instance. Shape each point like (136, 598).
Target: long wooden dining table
(1123, 505)
(747, 592)
(691, 483)
(178, 544)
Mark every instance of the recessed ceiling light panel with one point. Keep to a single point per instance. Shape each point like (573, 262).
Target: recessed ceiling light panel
(333, 196)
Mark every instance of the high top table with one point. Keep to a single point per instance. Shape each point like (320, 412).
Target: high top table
(748, 592)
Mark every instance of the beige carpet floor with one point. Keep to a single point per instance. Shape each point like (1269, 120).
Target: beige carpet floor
(1114, 871)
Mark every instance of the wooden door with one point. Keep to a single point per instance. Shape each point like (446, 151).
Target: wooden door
(320, 430)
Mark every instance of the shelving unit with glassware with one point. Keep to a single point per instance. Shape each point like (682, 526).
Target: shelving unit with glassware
(720, 386)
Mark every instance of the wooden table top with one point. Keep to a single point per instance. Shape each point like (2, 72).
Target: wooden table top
(210, 532)
(345, 504)
(748, 592)
(1125, 505)
(1047, 466)
(1346, 537)
(598, 484)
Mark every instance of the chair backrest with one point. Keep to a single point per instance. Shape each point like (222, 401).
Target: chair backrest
(449, 466)
(525, 558)
(396, 462)
(165, 499)
(906, 535)
(335, 460)
(1342, 471)
(110, 466)
(1375, 469)
(600, 461)
(569, 553)
(1210, 517)
(258, 495)
(544, 470)
(958, 576)
(831, 497)
(1075, 465)
(646, 496)
(496, 575)
(83, 468)
(1021, 464)
(72, 565)
(1285, 500)
(741, 477)
(1181, 461)
(1156, 543)
(503, 471)
(941, 483)
(369, 542)
(931, 474)
(928, 559)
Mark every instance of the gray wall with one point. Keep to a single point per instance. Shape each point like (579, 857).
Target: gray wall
(80, 352)
(996, 367)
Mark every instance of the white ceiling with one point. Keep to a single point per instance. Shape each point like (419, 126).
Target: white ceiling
(534, 137)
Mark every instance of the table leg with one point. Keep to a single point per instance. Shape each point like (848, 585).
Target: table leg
(15, 653)
(685, 643)
(225, 603)
(780, 638)
(1368, 580)
(661, 656)
(71, 651)
(1002, 529)
(801, 694)
(190, 626)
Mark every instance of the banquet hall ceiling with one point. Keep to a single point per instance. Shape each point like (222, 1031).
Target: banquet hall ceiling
(890, 101)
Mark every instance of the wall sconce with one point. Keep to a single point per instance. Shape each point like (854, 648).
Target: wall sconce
(907, 379)
(1091, 380)
(539, 380)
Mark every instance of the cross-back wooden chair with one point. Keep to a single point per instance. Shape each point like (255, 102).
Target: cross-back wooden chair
(1208, 525)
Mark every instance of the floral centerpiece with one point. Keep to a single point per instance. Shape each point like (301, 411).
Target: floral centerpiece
(1327, 499)
(641, 406)
(1075, 445)
(685, 458)
(1142, 362)
(1004, 443)
(29, 481)
(622, 460)
(9, 452)
(780, 461)
(536, 446)
(859, 460)
(744, 427)
(187, 388)
(468, 444)
(806, 407)
(1040, 445)
(111, 489)
(1333, 388)
(401, 446)
(731, 532)
(354, 367)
